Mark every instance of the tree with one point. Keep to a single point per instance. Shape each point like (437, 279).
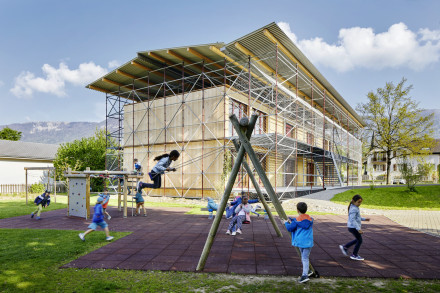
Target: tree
(414, 174)
(83, 153)
(10, 134)
(395, 125)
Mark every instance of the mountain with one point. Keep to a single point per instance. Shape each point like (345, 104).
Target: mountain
(61, 132)
(58, 132)
(436, 119)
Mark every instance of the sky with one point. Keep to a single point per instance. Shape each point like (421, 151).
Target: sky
(50, 50)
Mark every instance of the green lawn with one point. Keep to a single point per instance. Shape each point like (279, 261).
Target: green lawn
(426, 198)
(30, 261)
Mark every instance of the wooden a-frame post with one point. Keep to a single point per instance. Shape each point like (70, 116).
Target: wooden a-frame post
(244, 133)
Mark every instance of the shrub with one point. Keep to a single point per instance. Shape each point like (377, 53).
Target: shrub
(37, 188)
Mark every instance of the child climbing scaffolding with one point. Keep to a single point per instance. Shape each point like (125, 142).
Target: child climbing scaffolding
(163, 164)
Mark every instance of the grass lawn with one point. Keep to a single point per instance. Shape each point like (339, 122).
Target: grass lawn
(426, 198)
(30, 261)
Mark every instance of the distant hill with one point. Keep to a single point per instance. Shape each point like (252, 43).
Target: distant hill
(61, 132)
(436, 121)
(57, 132)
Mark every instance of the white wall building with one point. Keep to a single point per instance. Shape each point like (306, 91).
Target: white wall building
(16, 155)
(377, 168)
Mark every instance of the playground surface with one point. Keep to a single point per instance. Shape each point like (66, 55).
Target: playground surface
(170, 240)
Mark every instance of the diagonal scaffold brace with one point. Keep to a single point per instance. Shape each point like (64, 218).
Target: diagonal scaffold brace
(244, 130)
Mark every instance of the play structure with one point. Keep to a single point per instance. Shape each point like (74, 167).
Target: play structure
(244, 129)
(48, 169)
(79, 189)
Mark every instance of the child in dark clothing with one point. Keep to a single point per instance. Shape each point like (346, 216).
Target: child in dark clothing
(41, 201)
(98, 220)
(163, 164)
(301, 228)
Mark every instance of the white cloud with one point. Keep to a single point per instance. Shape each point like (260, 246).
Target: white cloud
(362, 48)
(114, 64)
(55, 79)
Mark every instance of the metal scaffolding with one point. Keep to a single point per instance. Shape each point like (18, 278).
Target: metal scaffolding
(306, 136)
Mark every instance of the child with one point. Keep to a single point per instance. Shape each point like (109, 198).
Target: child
(302, 237)
(137, 166)
(41, 201)
(236, 222)
(106, 198)
(230, 212)
(98, 220)
(140, 203)
(354, 227)
(212, 206)
(163, 164)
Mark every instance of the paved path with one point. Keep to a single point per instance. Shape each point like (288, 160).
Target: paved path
(421, 220)
(169, 239)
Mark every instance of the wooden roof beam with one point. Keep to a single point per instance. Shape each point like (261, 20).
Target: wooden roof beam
(161, 75)
(168, 62)
(121, 85)
(190, 62)
(283, 49)
(140, 79)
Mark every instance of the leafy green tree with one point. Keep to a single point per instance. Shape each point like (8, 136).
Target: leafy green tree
(414, 174)
(83, 153)
(395, 124)
(10, 134)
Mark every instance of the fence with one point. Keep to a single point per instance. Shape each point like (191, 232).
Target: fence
(21, 188)
(13, 188)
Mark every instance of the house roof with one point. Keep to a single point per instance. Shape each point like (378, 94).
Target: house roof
(27, 150)
(132, 75)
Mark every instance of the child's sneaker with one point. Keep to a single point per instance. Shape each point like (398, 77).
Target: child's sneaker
(81, 236)
(356, 257)
(37, 218)
(32, 215)
(310, 273)
(109, 238)
(343, 250)
(234, 233)
(239, 231)
(303, 279)
(228, 232)
(109, 217)
(145, 215)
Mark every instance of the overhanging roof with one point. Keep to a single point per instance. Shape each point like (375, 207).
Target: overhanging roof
(153, 67)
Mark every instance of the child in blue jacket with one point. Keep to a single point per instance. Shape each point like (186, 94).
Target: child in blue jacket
(302, 237)
(98, 220)
(41, 202)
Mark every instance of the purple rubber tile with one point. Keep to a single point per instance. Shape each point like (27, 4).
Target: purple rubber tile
(390, 250)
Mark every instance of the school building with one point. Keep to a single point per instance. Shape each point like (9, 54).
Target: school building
(307, 135)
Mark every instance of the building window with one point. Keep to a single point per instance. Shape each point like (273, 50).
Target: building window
(310, 138)
(261, 125)
(290, 131)
(395, 167)
(240, 110)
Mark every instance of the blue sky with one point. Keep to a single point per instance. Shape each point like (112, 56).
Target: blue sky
(51, 49)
